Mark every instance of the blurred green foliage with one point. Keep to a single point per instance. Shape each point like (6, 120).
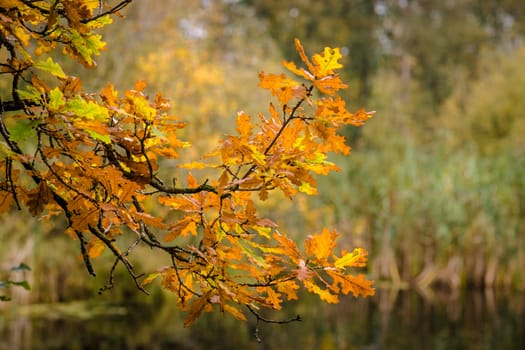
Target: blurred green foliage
(435, 187)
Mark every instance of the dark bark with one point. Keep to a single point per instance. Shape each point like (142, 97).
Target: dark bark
(11, 106)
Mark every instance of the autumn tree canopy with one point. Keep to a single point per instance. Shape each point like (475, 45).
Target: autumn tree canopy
(95, 158)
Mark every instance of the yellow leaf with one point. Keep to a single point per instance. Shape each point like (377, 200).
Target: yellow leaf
(253, 256)
(150, 278)
(193, 165)
(357, 258)
(326, 62)
(289, 288)
(259, 157)
(307, 188)
(322, 293)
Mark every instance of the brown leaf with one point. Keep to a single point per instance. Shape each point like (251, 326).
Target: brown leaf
(38, 197)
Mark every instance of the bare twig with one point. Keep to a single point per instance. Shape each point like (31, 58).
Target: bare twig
(85, 255)
(266, 320)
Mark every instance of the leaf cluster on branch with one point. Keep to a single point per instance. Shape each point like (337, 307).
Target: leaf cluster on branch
(96, 158)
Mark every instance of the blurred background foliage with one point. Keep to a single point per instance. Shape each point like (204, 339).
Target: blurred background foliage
(435, 187)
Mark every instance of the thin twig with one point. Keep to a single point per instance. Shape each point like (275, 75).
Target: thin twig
(85, 255)
(266, 320)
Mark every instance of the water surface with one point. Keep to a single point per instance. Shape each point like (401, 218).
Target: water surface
(389, 320)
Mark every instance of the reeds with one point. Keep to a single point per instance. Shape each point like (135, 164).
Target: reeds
(435, 218)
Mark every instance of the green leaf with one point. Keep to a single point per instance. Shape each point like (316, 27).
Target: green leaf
(253, 255)
(56, 99)
(21, 267)
(23, 284)
(51, 67)
(87, 46)
(104, 138)
(87, 109)
(30, 93)
(100, 22)
(23, 130)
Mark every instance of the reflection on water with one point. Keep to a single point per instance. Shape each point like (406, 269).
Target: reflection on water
(390, 320)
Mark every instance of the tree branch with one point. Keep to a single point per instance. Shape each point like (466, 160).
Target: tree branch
(11, 106)
(111, 11)
(266, 320)
(157, 184)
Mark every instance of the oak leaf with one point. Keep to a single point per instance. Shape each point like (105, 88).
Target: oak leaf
(197, 307)
(321, 245)
(357, 258)
(38, 198)
(95, 247)
(326, 62)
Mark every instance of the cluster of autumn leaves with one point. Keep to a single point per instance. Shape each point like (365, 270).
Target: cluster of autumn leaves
(96, 158)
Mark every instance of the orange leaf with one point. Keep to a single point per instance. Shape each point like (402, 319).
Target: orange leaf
(321, 245)
(110, 95)
(273, 298)
(6, 198)
(300, 72)
(193, 165)
(87, 216)
(149, 220)
(140, 85)
(289, 288)
(182, 228)
(196, 308)
(357, 285)
(330, 84)
(280, 86)
(302, 54)
(289, 247)
(191, 181)
(234, 311)
(244, 127)
(95, 247)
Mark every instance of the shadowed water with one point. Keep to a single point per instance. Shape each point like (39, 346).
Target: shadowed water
(389, 320)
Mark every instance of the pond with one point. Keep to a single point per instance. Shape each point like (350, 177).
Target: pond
(390, 320)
